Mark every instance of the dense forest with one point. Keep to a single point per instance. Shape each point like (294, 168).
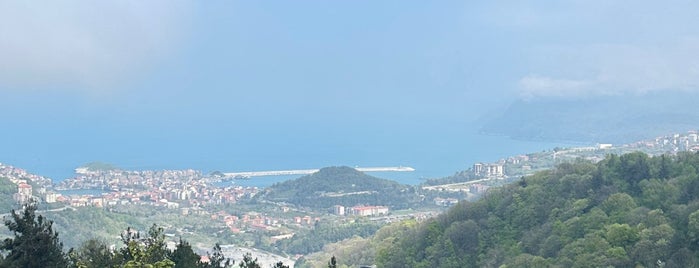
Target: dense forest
(341, 186)
(625, 211)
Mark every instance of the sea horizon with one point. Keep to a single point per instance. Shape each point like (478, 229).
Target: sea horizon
(435, 159)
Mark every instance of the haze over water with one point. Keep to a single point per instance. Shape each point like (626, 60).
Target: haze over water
(241, 86)
(431, 158)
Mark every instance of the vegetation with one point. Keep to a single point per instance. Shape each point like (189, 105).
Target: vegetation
(35, 243)
(462, 176)
(625, 211)
(341, 186)
(7, 189)
(97, 166)
(314, 240)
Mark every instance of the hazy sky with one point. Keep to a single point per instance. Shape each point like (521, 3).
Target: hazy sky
(179, 77)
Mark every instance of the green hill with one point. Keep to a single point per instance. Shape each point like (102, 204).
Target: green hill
(340, 186)
(625, 211)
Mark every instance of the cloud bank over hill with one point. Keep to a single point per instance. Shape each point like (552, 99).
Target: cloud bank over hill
(574, 49)
(598, 70)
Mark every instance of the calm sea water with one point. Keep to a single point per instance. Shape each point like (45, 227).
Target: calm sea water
(433, 155)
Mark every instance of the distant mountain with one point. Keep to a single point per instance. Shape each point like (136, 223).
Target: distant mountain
(602, 119)
(340, 186)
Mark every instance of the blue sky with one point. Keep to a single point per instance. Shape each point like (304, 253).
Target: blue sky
(105, 80)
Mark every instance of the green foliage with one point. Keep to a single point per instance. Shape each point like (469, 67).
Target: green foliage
(324, 233)
(93, 253)
(7, 189)
(248, 262)
(149, 251)
(332, 263)
(217, 259)
(341, 186)
(625, 211)
(34, 244)
(183, 256)
(280, 265)
(100, 166)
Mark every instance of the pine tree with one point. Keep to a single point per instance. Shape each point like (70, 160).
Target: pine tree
(144, 252)
(248, 262)
(280, 265)
(332, 263)
(184, 256)
(217, 259)
(92, 253)
(35, 243)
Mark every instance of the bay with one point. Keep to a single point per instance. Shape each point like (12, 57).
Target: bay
(433, 155)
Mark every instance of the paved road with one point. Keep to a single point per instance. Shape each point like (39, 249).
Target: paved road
(42, 211)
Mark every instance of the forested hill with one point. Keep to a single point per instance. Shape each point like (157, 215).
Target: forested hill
(625, 211)
(340, 186)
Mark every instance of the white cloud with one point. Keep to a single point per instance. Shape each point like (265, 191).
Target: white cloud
(84, 44)
(615, 69)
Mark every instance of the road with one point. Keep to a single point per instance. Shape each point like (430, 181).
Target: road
(43, 211)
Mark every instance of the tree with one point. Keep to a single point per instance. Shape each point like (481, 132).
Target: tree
(217, 259)
(280, 265)
(145, 252)
(142, 258)
(92, 253)
(248, 262)
(35, 243)
(155, 244)
(184, 256)
(332, 263)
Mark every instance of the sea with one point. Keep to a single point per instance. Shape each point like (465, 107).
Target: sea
(432, 156)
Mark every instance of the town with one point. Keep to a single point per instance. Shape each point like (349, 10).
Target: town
(191, 193)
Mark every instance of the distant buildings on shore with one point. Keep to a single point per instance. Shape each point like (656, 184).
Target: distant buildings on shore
(364, 211)
(489, 170)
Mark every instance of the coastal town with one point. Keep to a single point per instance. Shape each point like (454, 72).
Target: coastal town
(189, 192)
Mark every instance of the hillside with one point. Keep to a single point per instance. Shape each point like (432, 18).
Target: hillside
(625, 211)
(340, 186)
(7, 189)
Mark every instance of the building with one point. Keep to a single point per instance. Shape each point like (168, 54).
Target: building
(477, 188)
(368, 210)
(488, 170)
(477, 168)
(603, 146)
(495, 170)
(339, 210)
(51, 197)
(24, 193)
(446, 202)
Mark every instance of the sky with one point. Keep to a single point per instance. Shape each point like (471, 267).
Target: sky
(311, 81)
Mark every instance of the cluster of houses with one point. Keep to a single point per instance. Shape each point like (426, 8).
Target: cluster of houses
(164, 188)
